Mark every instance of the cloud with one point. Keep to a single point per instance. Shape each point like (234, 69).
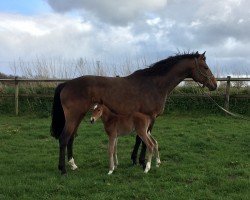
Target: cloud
(66, 37)
(117, 12)
(114, 30)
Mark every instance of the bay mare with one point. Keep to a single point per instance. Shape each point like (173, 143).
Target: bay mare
(118, 125)
(143, 91)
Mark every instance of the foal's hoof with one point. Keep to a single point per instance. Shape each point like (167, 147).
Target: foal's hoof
(148, 166)
(110, 172)
(158, 162)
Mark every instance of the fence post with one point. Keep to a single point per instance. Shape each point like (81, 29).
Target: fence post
(227, 93)
(16, 95)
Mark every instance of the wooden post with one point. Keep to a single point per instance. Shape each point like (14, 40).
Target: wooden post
(16, 95)
(227, 93)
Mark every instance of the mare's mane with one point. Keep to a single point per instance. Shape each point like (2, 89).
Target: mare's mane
(163, 66)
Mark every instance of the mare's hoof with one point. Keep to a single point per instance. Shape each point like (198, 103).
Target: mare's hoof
(62, 169)
(134, 162)
(133, 158)
(64, 174)
(143, 164)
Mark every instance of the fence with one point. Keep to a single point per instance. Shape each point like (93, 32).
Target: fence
(18, 81)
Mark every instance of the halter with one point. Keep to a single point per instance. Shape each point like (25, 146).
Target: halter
(208, 77)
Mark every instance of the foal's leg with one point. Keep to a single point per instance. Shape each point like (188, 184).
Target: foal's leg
(150, 146)
(142, 159)
(158, 160)
(112, 141)
(115, 153)
(135, 150)
(71, 160)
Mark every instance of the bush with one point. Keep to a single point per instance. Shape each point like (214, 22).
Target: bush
(41, 106)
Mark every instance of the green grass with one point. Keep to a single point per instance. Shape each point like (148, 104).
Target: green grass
(203, 157)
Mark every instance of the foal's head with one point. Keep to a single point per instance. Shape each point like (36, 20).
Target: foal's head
(96, 113)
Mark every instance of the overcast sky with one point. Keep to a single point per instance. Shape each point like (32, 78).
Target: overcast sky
(116, 30)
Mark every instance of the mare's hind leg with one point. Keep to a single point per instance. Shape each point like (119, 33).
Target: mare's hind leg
(71, 124)
(71, 160)
(135, 150)
(63, 141)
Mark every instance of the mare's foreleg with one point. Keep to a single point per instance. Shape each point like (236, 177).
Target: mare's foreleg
(135, 150)
(71, 160)
(142, 159)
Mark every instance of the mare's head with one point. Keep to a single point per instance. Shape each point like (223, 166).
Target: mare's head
(201, 73)
(96, 113)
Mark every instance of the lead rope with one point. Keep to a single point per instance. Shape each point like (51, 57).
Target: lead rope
(223, 109)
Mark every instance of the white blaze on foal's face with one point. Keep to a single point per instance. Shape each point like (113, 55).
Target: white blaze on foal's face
(96, 113)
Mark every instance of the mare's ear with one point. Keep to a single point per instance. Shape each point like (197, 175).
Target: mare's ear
(197, 53)
(203, 56)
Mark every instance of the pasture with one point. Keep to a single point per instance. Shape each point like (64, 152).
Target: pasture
(203, 157)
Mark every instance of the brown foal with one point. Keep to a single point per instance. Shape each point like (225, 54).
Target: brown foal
(118, 125)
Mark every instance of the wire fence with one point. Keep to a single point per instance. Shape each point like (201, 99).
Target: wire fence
(16, 82)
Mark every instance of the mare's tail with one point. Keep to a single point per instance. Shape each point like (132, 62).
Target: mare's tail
(57, 114)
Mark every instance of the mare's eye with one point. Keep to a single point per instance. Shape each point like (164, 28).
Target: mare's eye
(206, 67)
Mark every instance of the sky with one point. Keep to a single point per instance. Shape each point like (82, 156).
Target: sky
(118, 32)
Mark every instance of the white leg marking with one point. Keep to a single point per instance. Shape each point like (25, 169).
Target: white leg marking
(72, 164)
(116, 158)
(148, 166)
(158, 162)
(110, 172)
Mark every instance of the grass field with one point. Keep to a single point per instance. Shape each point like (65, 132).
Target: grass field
(203, 157)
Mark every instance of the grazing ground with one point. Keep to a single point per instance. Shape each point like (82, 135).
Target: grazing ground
(203, 157)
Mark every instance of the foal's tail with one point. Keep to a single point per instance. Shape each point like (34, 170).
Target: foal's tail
(57, 114)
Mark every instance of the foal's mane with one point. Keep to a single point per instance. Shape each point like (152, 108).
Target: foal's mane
(164, 66)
